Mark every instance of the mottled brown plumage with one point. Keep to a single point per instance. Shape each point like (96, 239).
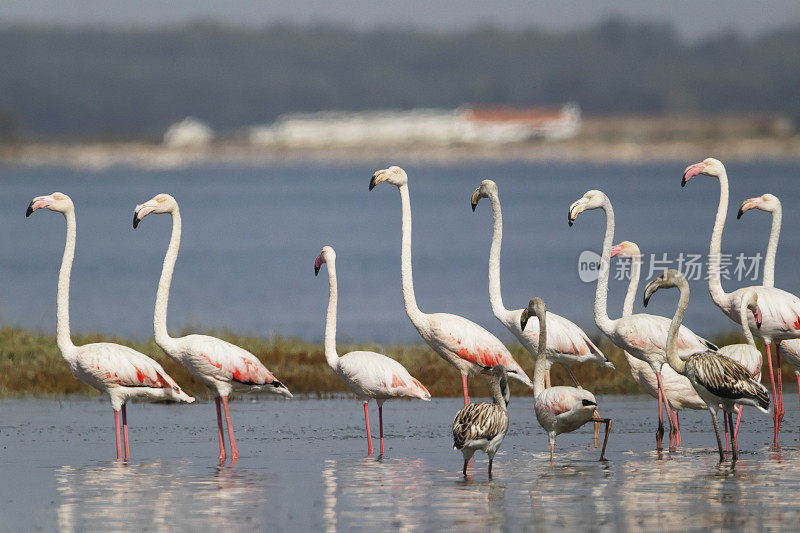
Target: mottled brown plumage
(726, 378)
(478, 421)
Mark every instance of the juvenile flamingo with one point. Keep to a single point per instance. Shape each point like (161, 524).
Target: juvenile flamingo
(483, 426)
(567, 344)
(558, 409)
(460, 342)
(642, 335)
(678, 390)
(771, 204)
(223, 367)
(119, 371)
(367, 374)
(719, 380)
(781, 310)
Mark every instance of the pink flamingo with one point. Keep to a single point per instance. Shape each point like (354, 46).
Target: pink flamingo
(678, 390)
(223, 367)
(119, 371)
(367, 374)
(719, 380)
(643, 335)
(781, 310)
(771, 204)
(460, 342)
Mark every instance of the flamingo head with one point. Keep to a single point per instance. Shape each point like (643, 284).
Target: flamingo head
(668, 279)
(498, 376)
(160, 203)
(394, 175)
(58, 201)
(710, 167)
(327, 255)
(487, 188)
(765, 202)
(591, 200)
(750, 299)
(535, 308)
(625, 249)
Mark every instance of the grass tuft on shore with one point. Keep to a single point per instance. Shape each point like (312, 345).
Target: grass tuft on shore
(30, 363)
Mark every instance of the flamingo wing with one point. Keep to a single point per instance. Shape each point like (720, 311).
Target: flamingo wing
(114, 364)
(560, 400)
(381, 376)
(564, 336)
(780, 311)
(746, 355)
(645, 333)
(228, 362)
(726, 378)
(478, 421)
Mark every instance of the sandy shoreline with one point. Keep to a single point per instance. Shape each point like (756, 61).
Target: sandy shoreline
(99, 156)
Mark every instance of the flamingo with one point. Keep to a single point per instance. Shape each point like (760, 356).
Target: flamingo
(558, 409)
(367, 374)
(118, 371)
(567, 343)
(719, 380)
(643, 335)
(771, 204)
(460, 342)
(223, 367)
(483, 426)
(781, 310)
(678, 390)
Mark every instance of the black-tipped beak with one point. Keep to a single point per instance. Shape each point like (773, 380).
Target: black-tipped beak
(29, 210)
(646, 299)
(570, 220)
(372, 181)
(136, 220)
(523, 319)
(316, 270)
(474, 205)
(683, 181)
(758, 324)
(740, 213)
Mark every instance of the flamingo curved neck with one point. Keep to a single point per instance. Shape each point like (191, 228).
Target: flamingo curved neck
(718, 294)
(162, 295)
(748, 335)
(772, 247)
(331, 356)
(633, 285)
(409, 300)
(677, 364)
(495, 295)
(601, 294)
(541, 358)
(63, 338)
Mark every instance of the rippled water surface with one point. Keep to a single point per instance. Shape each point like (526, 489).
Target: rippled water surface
(303, 468)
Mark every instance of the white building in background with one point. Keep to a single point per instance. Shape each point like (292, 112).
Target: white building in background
(467, 125)
(188, 132)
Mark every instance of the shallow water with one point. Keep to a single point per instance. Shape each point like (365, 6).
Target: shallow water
(250, 236)
(303, 468)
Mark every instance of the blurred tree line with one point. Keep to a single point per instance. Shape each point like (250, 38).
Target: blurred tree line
(97, 83)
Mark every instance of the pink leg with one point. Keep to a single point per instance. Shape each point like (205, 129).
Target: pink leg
(116, 434)
(779, 384)
(466, 389)
(673, 437)
(774, 400)
(369, 433)
(125, 431)
(234, 450)
(677, 427)
(380, 420)
(660, 430)
(219, 426)
(725, 423)
(738, 421)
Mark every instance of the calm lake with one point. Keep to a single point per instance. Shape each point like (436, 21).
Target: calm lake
(250, 236)
(303, 468)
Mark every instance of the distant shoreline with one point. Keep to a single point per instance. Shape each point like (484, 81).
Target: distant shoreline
(104, 155)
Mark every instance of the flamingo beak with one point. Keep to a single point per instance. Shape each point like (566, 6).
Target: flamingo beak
(475, 199)
(757, 317)
(747, 205)
(692, 171)
(142, 210)
(317, 264)
(376, 179)
(38, 203)
(651, 288)
(574, 210)
(615, 250)
(523, 319)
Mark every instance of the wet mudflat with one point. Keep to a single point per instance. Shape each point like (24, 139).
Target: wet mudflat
(303, 468)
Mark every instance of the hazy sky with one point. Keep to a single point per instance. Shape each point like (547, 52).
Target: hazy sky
(693, 18)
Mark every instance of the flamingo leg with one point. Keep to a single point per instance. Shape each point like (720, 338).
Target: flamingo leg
(380, 420)
(725, 423)
(677, 427)
(491, 459)
(660, 430)
(125, 431)
(572, 376)
(734, 445)
(716, 431)
(738, 421)
(774, 399)
(116, 434)
(607, 422)
(220, 433)
(597, 424)
(673, 437)
(779, 384)
(552, 449)
(547, 379)
(234, 450)
(466, 391)
(369, 434)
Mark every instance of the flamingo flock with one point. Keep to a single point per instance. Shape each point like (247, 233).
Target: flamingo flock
(679, 368)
